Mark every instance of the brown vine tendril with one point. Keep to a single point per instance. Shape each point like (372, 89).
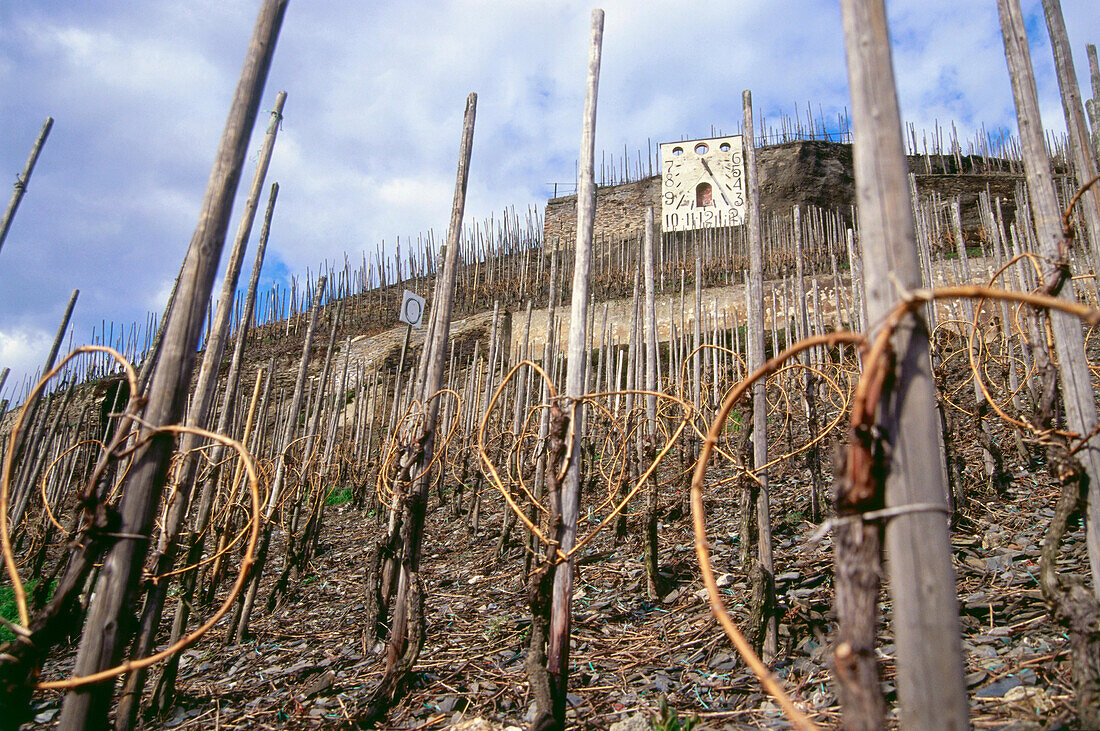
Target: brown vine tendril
(117, 450)
(698, 511)
(9, 457)
(242, 576)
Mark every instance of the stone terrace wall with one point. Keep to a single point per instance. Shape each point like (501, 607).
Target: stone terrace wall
(620, 210)
(806, 173)
(967, 188)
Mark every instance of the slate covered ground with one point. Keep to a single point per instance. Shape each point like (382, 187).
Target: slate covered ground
(310, 664)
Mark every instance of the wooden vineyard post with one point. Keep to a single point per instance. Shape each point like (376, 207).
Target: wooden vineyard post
(1073, 606)
(102, 643)
(697, 337)
(240, 620)
(394, 411)
(524, 377)
(1093, 105)
(930, 682)
(202, 397)
(630, 455)
(691, 451)
(544, 414)
(28, 443)
(23, 179)
(297, 551)
(769, 626)
(165, 686)
(30, 446)
(407, 626)
(991, 454)
(557, 653)
(649, 434)
(1077, 391)
(809, 376)
(486, 396)
(1084, 161)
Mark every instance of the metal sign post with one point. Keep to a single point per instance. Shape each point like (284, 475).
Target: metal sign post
(412, 314)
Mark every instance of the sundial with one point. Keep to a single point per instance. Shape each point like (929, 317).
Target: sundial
(702, 184)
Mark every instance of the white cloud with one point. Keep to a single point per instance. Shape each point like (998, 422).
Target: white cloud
(23, 350)
(158, 299)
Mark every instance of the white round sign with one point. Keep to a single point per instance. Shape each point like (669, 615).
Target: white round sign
(412, 309)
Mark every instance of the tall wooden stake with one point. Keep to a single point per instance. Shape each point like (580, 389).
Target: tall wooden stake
(407, 627)
(557, 656)
(289, 436)
(1072, 604)
(1077, 392)
(1084, 162)
(930, 680)
(202, 397)
(104, 634)
(23, 179)
(770, 627)
(165, 687)
(649, 434)
(1093, 105)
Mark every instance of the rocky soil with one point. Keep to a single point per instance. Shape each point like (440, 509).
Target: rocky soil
(310, 663)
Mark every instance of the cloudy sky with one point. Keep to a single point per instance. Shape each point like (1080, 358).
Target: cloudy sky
(140, 92)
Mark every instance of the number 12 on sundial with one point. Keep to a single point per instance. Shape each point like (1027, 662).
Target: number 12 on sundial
(702, 184)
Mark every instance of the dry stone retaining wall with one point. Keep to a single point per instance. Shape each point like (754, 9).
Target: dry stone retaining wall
(806, 173)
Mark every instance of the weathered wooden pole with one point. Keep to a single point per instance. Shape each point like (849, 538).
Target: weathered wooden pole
(289, 435)
(407, 626)
(544, 394)
(104, 635)
(649, 433)
(23, 179)
(394, 413)
(809, 379)
(51, 357)
(990, 458)
(24, 486)
(697, 337)
(557, 656)
(930, 680)
(297, 551)
(1084, 160)
(1093, 105)
(201, 399)
(770, 627)
(482, 410)
(691, 452)
(1077, 390)
(1072, 605)
(165, 687)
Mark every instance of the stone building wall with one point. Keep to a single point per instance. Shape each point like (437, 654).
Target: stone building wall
(806, 173)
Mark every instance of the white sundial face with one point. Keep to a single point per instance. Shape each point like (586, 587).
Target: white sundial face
(702, 184)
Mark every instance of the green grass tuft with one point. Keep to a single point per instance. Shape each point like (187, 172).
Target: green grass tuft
(8, 609)
(338, 496)
(671, 721)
